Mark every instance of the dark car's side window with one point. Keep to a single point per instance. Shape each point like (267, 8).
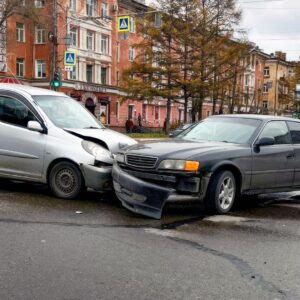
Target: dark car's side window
(278, 130)
(295, 132)
(15, 112)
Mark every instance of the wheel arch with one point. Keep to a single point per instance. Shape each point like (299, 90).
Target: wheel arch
(229, 166)
(62, 159)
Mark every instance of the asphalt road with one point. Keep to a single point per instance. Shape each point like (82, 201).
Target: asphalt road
(92, 248)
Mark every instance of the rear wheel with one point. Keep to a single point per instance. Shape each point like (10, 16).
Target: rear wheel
(65, 180)
(221, 193)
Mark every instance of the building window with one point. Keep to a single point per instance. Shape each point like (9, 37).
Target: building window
(104, 44)
(104, 75)
(118, 52)
(157, 20)
(73, 73)
(89, 40)
(247, 80)
(266, 71)
(89, 73)
(90, 6)
(104, 10)
(118, 109)
(131, 53)
(39, 3)
(144, 112)
(132, 25)
(156, 112)
(40, 69)
(40, 35)
(118, 78)
(266, 88)
(130, 112)
(20, 67)
(73, 5)
(265, 104)
(73, 34)
(20, 32)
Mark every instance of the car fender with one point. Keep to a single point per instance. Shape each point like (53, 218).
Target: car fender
(231, 166)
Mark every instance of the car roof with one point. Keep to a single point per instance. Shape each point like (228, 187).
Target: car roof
(32, 91)
(257, 117)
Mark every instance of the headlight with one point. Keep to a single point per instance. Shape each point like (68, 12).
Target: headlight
(120, 158)
(180, 165)
(100, 153)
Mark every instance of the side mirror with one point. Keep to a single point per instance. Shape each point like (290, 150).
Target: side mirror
(171, 135)
(265, 141)
(35, 126)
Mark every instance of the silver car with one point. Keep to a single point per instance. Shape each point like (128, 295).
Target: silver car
(50, 138)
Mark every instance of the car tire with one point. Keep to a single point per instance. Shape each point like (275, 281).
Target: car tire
(221, 193)
(66, 181)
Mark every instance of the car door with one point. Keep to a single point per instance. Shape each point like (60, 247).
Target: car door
(21, 150)
(273, 166)
(295, 134)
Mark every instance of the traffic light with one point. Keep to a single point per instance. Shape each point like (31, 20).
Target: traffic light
(56, 81)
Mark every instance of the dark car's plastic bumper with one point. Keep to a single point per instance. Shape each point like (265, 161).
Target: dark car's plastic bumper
(139, 196)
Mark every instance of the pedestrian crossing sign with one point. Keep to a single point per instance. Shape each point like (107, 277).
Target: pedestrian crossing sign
(70, 58)
(123, 24)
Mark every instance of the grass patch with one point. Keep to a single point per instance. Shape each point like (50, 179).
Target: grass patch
(147, 135)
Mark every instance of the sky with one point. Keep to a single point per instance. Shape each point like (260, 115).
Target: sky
(274, 25)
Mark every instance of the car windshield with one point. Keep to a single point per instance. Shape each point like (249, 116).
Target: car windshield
(65, 112)
(222, 129)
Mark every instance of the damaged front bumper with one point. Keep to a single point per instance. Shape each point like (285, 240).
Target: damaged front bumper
(143, 197)
(97, 178)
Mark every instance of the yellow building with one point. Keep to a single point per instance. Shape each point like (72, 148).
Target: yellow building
(276, 98)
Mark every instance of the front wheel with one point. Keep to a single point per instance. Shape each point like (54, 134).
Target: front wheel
(65, 180)
(221, 193)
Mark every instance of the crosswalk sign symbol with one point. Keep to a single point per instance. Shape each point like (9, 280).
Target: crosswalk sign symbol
(70, 58)
(123, 24)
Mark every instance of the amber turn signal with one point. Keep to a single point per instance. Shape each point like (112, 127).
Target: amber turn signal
(191, 166)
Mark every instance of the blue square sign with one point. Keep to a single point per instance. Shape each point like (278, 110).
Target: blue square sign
(70, 58)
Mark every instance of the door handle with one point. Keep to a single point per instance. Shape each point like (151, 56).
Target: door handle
(290, 155)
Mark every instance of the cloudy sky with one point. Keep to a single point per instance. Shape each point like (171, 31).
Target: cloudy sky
(274, 25)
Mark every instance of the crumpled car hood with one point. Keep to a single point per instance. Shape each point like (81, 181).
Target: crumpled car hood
(114, 140)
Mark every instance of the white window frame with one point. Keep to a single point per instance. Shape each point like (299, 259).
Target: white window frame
(118, 52)
(266, 71)
(90, 8)
(39, 3)
(40, 35)
(265, 104)
(20, 33)
(74, 34)
(104, 9)
(131, 54)
(156, 106)
(132, 25)
(20, 67)
(73, 74)
(106, 79)
(104, 44)
(40, 68)
(93, 70)
(90, 38)
(73, 5)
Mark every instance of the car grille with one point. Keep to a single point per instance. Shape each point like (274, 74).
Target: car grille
(141, 161)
